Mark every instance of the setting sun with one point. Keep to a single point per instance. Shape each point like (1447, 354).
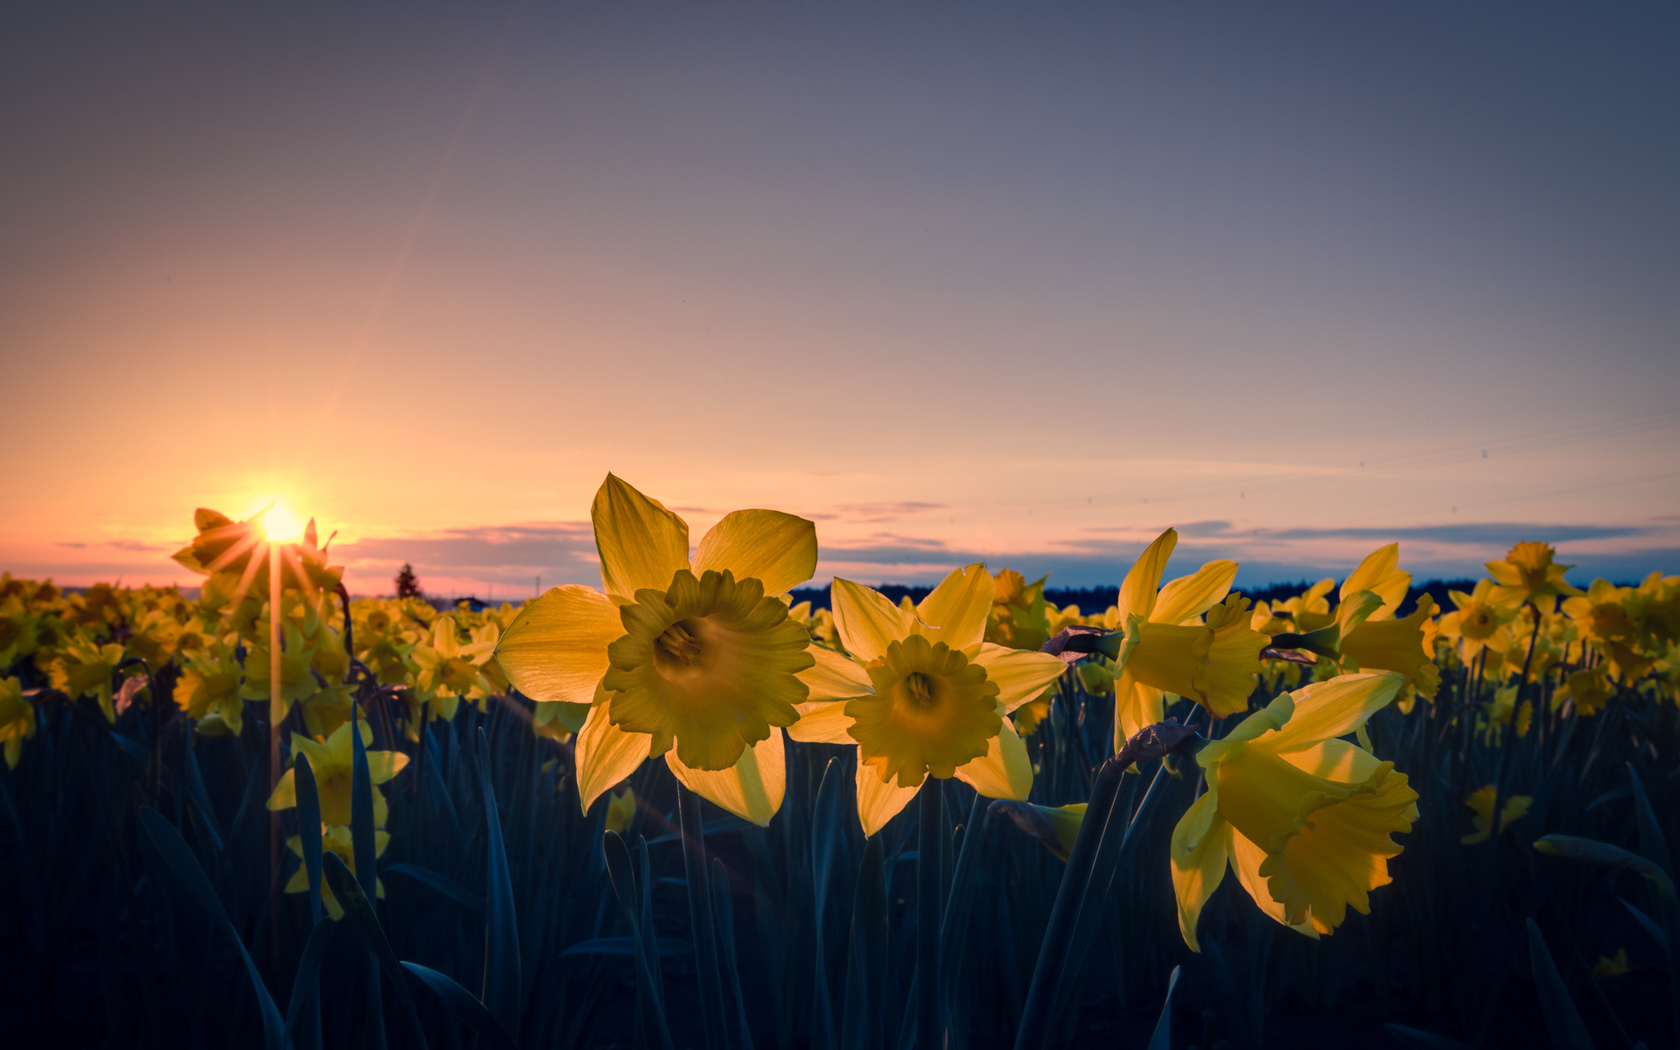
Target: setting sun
(281, 524)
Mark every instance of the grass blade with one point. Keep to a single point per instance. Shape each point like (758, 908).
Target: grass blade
(1162, 1037)
(185, 867)
(462, 1006)
(504, 989)
(360, 913)
(1563, 1021)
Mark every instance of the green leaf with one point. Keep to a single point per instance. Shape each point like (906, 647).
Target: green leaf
(1591, 851)
(462, 1006)
(1162, 1037)
(309, 829)
(504, 989)
(305, 986)
(362, 827)
(1418, 1039)
(360, 914)
(185, 867)
(446, 886)
(1563, 1021)
(649, 1009)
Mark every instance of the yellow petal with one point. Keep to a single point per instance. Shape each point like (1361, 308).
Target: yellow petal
(1135, 705)
(285, 792)
(1020, 675)
(1334, 708)
(867, 622)
(822, 723)
(1137, 593)
(879, 802)
(1005, 771)
(556, 648)
(777, 549)
(752, 788)
(1201, 845)
(835, 676)
(1193, 595)
(606, 755)
(955, 611)
(641, 543)
(1246, 859)
(383, 765)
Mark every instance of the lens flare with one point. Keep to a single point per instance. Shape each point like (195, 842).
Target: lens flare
(281, 524)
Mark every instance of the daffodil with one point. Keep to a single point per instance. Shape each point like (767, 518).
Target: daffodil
(238, 551)
(1309, 610)
(1528, 575)
(1612, 965)
(331, 763)
(85, 668)
(1381, 641)
(1167, 648)
(621, 809)
(1477, 622)
(1480, 804)
(1019, 618)
(1304, 818)
(297, 677)
(1054, 826)
(696, 659)
(17, 719)
(940, 695)
(335, 839)
(208, 690)
(451, 670)
(1588, 689)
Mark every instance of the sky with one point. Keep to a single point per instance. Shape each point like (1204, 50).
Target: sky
(979, 282)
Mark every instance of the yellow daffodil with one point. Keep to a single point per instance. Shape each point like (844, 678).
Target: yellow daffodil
(297, 678)
(1480, 804)
(621, 809)
(1655, 610)
(1528, 575)
(208, 691)
(1381, 641)
(940, 695)
(85, 668)
(1588, 690)
(1054, 826)
(1309, 610)
(1304, 818)
(337, 840)
(696, 660)
(238, 551)
(331, 763)
(1019, 617)
(1612, 965)
(451, 670)
(1167, 647)
(17, 719)
(1477, 622)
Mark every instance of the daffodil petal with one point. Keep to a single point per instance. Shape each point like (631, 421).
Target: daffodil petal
(285, 792)
(1246, 859)
(642, 545)
(823, 723)
(1020, 675)
(383, 765)
(1193, 595)
(606, 755)
(867, 622)
(752, 788)
(879, 802)
(556, 649)
(1137, 592)
(779, 550)
(1201, 847)
(1135, 705)
(835, 676)
(1334, 708)
(955, 611)
(1335, 760)
(1005, 771)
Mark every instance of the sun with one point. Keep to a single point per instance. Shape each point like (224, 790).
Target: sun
(281, 524)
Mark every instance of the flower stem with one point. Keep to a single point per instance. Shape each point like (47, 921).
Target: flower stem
(700, 916)
(929, 911)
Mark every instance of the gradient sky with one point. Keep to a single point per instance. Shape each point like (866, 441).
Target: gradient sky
(961, 282)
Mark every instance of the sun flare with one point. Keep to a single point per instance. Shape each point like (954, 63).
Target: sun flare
(281, 524)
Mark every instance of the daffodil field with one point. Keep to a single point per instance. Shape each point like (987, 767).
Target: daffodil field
(696, 807)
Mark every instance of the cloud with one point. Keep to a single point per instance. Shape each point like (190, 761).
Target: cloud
(1478, 533)
(464, 559)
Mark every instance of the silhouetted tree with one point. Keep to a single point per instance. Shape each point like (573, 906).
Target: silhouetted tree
(407, 585)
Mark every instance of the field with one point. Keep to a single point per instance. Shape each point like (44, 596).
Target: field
(683, 811)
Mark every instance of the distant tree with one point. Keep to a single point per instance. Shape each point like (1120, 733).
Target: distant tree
(407, 585)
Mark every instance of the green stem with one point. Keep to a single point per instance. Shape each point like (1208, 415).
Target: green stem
(700, 916)
(929, 911)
